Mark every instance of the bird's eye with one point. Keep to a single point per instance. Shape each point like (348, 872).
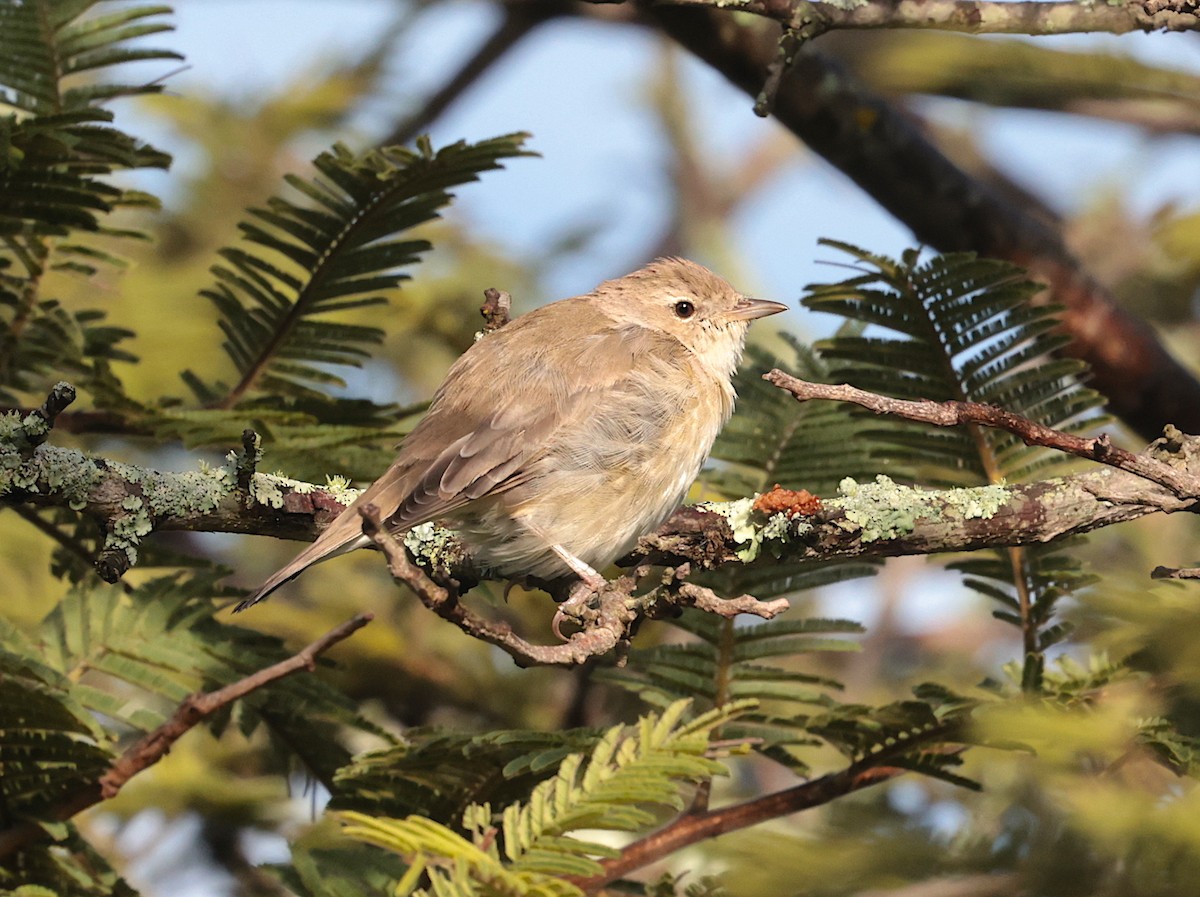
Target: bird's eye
(684, 309)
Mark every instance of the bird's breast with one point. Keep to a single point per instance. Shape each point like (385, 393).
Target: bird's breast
(622, 463)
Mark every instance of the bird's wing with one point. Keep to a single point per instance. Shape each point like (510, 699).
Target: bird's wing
(498, 409)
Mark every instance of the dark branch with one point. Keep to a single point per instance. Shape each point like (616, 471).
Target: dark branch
(968, 16)
(883, 149)
(519, 20)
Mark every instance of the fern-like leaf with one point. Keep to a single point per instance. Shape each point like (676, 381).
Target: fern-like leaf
(624, 784)
(336, 249)
(726, 663)
(955, 327)
(438, 773)
(133, 657)
(58, 147)
(58, 144)
(49, 747)
(961, 328)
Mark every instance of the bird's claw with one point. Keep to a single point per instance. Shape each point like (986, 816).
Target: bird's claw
(577, 599)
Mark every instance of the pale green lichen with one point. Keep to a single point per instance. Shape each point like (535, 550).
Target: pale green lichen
(270, 488)
(976, 503)
(10, 426)
(50, 470)
(127, 472)
(885, 509)
(193, 492)
(34, 425)
(750, 533)
(340, 490)
(435, 545)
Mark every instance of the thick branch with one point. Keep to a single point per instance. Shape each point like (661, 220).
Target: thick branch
(153, 746)
(883, 150)
(969, 16)
(863, 522)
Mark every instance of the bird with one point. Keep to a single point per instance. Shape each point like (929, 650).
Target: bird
(556, 441)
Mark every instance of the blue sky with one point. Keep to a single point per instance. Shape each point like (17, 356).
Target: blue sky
(576, 87)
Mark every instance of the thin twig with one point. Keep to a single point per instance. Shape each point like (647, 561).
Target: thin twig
(153, 746)
(62, 395)
(1181, 483)
(444, 601)
(496, 309)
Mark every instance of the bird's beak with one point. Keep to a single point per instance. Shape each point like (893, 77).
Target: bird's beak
(749, 309)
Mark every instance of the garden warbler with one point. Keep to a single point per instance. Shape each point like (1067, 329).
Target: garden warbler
(558, 440)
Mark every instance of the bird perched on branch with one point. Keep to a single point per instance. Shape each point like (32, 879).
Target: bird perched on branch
(558, 440)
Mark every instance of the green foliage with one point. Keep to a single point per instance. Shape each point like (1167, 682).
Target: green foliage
(49, 745)
(84, 675)
(438, 773)
(132, 657)
(902, 731)
(957, 328)
(724, 662)
(349, 870)
(624, 784)
(58, 150)
(336, 252)
(960, 328)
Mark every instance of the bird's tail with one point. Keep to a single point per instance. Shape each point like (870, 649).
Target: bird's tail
(337, 539)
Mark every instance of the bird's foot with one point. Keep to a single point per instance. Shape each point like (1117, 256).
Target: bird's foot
(578, 598)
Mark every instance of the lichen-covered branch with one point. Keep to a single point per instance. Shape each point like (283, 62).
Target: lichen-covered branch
(876, 519)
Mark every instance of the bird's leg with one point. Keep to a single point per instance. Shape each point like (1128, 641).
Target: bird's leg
(593, 579)
(590, 582)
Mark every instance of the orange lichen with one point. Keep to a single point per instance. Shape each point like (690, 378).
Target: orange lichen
(794, 503)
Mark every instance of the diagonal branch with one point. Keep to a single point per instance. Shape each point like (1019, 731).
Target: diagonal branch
(607, 623)
(1037, 17)
(692, 828)
(519, 20)
(153, 746)
(883, 149)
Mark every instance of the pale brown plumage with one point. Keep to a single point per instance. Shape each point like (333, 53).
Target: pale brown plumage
(555, 442)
